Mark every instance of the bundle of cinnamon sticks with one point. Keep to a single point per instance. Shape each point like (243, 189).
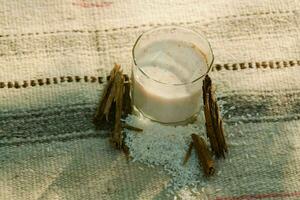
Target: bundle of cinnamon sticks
(114, 104)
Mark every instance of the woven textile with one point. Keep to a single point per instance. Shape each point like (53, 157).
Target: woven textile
(54, 56)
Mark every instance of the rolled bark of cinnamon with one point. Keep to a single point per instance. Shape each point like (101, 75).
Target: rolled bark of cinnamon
(214, 124)
(103, 103)
(204, 156)
(127, 107)
(117, 136)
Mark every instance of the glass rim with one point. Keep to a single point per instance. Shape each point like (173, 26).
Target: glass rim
(172, 27)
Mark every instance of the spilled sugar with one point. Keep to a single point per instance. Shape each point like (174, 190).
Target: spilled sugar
(162, 145)
(166, 146)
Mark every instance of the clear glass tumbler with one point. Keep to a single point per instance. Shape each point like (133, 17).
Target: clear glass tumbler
(169, 64)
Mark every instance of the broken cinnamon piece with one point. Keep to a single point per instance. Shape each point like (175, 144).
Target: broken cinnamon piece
(132, 128)
(109, 101)
(117, 137)
(125, 148)
(214, 124)
(203, 154)
(126, 151)
(209, 125)
(127, 107)
(188, 153)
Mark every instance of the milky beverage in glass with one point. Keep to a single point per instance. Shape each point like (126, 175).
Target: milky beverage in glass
(167, 78)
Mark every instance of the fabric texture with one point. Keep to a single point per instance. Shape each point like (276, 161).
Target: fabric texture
(54, 56)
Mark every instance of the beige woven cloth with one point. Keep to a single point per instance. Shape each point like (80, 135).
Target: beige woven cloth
(54, 55)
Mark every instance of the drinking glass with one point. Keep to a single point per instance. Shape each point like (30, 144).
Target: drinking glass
(169, 64)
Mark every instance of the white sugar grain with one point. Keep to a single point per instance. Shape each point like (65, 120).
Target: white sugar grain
(232, 108)
(253, 156)
(241, 133)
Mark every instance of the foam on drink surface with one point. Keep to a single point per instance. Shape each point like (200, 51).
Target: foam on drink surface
(166, 93)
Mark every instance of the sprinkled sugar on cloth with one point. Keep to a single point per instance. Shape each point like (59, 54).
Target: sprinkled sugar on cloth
(55, 54)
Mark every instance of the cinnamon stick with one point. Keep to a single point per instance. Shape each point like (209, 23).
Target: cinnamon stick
(127, 107)
(204, 156)
(106, 93)
(132, 128)
(117, 138)
(214, 124)
(188, 153)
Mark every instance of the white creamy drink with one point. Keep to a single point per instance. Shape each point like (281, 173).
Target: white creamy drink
(165, 86)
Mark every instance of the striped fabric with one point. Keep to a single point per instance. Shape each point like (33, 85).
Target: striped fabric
(54, 59)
